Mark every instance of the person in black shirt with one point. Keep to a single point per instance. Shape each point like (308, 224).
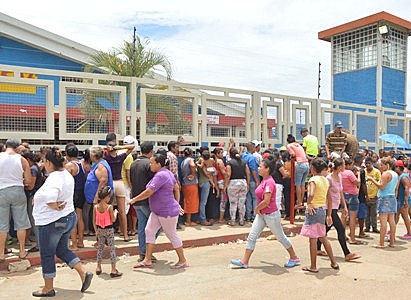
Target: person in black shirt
(140, 175)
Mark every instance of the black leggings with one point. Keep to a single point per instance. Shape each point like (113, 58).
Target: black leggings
(340, 231)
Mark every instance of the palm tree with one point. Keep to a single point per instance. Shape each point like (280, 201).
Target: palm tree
(136, 59)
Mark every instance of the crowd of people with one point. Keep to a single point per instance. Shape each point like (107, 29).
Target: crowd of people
(55, 197)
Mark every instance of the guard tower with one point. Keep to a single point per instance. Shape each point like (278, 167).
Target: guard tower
(369, 60)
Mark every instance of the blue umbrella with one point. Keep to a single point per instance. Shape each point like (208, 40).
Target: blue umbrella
(395, 140)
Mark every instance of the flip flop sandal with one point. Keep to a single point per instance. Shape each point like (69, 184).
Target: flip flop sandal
(179, 266)
(335, 267)
(352, 256)
(117, 274)
(239, 263)
(322, 253)
(379, 246)
(309, 270)
(142, 265)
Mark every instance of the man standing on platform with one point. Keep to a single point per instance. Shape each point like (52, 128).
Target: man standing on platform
(336, 140)
(310, 144)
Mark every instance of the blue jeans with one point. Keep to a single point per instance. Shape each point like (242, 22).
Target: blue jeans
(143, 212)
(53, 241)
(273, 221)
(352, 201)
(251, 201)
(205, 190)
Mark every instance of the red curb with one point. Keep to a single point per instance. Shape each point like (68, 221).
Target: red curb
(91, 253)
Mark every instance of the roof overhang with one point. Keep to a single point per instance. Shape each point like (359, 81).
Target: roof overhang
(44, 40)
(383, 16)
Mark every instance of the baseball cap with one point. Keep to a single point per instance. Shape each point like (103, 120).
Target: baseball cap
(338, 124)
(130, 140)
(256, 143)
(399, 163)
(221, 144)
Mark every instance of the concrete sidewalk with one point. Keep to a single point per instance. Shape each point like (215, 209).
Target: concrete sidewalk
(196, 236)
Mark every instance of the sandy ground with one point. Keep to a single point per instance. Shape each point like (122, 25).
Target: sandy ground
(379, 274)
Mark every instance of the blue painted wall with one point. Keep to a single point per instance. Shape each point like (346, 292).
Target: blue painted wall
(366, 128)
(356, 86)
(393, 88)
(19, 54)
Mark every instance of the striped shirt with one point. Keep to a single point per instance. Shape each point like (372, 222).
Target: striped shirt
(336, 142)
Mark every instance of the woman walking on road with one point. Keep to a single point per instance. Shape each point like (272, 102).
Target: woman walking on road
(55, 218)
(315, 216)
(267, 214)
(337, 199)
(163, 193)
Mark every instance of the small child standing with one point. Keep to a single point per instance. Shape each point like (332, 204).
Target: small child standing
(314, 226)
(103, 217)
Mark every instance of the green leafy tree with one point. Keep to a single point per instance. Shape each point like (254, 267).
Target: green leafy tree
(134, 58)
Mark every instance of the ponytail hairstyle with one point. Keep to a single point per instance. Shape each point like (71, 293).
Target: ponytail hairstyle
(55, 156)
(161, 159)
(234, 154)
(318, 164)
(337, 163)
(269, 163)
(290, 138)
(103, 193)
(162, 152)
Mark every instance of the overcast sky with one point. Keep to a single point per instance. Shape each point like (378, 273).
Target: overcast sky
(262, 45)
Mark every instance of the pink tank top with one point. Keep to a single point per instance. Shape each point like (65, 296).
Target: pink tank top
(103, 219)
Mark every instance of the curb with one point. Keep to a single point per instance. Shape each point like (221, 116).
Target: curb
(91, 253)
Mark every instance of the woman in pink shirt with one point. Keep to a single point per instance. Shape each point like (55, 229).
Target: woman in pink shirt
(301, 168)
(335, 192)
(267, 214)
(350, 182)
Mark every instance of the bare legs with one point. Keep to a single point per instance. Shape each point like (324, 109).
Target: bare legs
(77, 234)
(353, 219)
(404, 214)
(313, 254)
(383, 229)
(299, 190)
(121, 205)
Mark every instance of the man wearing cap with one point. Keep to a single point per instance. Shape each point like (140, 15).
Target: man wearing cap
(336, 140)
(257, 154)
(14, 176)
(310, 144)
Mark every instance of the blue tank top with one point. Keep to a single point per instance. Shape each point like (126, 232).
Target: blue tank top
(80, 178)
(91, 186)
(401, 189)
(390, 187)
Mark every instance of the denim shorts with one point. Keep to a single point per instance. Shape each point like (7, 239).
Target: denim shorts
(362, 211)
(301, 173)
(387, 205)
(352, 202)
(401, 202)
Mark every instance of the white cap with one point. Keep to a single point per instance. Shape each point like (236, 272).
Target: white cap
(130, 140)
(256, 143)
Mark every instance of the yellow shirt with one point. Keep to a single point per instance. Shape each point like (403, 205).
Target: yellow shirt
(126, 167)
(321, 189)
(310, 143)
(372, 189)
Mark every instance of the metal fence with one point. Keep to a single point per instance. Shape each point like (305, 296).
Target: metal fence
(53, 107)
